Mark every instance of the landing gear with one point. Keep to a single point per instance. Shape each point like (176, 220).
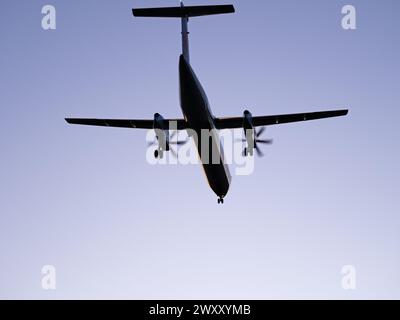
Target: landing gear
(158, 154)
(220, 201)
(247, 152)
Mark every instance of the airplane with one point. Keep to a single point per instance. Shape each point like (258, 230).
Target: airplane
(196, 110)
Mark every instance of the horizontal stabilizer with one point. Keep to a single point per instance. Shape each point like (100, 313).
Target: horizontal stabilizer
(126, 123)
(181, 12)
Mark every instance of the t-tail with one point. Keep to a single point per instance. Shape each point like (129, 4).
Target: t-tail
(184, 13)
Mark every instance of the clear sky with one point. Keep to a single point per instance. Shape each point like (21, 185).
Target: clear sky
(85, 200)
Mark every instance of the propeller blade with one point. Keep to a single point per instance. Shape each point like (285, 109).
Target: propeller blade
(151, 143)
(265, 141)
(174, 153)
(260, 132)
(259, 152)
(179, 143)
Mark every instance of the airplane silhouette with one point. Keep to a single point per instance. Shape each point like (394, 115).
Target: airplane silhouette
(196, 109)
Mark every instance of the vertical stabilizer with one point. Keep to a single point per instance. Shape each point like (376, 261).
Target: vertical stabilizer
(185, 35)
(184, 13)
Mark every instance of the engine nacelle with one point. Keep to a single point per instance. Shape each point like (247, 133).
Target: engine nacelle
(158, 122)
(249, 132)
(162, 135)
(247, 120)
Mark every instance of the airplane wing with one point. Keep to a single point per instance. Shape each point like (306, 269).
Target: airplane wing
(125, 123)
(221, 123)
(237, 122)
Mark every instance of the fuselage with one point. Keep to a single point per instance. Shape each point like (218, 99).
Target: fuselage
(199, 118)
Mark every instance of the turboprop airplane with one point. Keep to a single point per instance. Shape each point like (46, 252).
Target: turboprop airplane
(197, 115)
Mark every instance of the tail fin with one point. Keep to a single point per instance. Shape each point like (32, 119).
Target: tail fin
(183, 12)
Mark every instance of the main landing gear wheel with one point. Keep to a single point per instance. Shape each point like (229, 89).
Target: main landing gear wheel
(220, 201)
(247, 152)
(158, 154)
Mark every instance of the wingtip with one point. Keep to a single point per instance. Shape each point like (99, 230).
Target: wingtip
(343, 112)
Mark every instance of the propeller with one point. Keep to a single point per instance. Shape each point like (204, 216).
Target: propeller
(171, 142)
(259, 141)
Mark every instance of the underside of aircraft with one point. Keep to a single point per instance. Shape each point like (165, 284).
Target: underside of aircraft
(196, 110)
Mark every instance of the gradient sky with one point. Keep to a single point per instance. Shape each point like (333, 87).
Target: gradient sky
(85, 200)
